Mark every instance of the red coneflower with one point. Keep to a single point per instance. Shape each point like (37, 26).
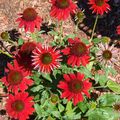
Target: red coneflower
(99, 6)
(46, 58)
(61, 9)
(16, 79)
(118, 30)
(77, 52)
(74, 87)
(24, 56)
(29, 19)
(19, 106)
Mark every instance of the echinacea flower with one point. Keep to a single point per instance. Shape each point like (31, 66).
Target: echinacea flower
(118, 30)
(74, 87)
(24, 58)
(16, 79)
(77, 52)
(99, 6)
(79, 15)
(29, 19)
(61, 9)
(19, 106)
(46, 58)
(107, 55)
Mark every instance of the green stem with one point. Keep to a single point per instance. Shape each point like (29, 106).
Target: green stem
(5, 53)
(100, 87)
(76, 27)
(94, 28)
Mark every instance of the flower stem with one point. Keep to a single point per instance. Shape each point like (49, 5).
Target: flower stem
(76, 27)
(10, 41)
(6, 53)
(100, 87)
(94, 28)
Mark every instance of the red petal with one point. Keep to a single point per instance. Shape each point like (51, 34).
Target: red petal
(87, 85)
(86, 93)
(74, 62)
(9, 66)
(62, 85)
(66, 77)
(78, 62)
(80, 76)
(72, 76)
(80, 97)
(70, 60)
(71, 41)
(66, 51)
(65, 94)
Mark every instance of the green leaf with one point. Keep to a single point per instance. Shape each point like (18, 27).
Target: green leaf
(47, 77)
(90, 65)
(102, 80)
(83, 106)
(102, 114)
(115, 87)
(96, 40)
(108, 99)
(37, 109)
(37, 88)
(69, 106)
(61, 107)
(20, 41)
(86, 41)
(41, 31)
(55, 72)
(97, 77)
(69, 36)
(44, 97)
(54, 33)
(36, 78)
(87, 73)
(56, 114)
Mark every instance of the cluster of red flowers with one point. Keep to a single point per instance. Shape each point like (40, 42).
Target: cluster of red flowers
(19, 105)
(61, 10)
(45, 58)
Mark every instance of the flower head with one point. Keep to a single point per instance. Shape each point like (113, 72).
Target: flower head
(74, 86)
(118, 30)
(54, 98)
(46, 58)
(29, 19)
(16, 79)
(107, 55)
(24, 56)
(61, 9)
(19, 106)
(5, 36)
(99, 6)
(79, 15)
(78, 53)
